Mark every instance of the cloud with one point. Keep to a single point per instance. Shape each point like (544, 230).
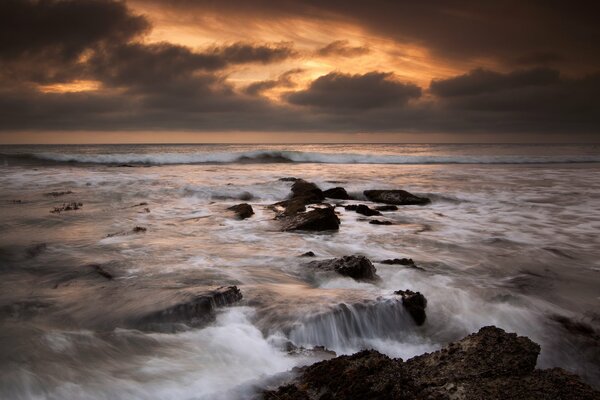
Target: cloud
(342, 48)
(284, 80)
(338, 91)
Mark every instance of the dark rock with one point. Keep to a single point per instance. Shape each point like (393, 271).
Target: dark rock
(379, 222)
(67, 207)
(307, 191)
(139, 229)
(337, 193)
(36, 249)
(415, 304)
(288, 179)
(308, 254)
(362, 209)
(490, 364)
(58, 194)
(242, 211)
(320, 219)
(397, 197)
(356, 267)
(386, 208)
(289, 207)
(246, 196)
(399, 261)
(197, 310)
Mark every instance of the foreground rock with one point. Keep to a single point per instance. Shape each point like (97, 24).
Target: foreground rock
(415, 303)
(338, 193)
(359, 268)
(242, 211)
(319, 219)
(307, 191)
(197, 310)
(490, 364)
(395, 197)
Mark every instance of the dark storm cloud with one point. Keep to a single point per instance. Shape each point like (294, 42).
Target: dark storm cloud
(459, 30)
(337, 91)
(342, 48)
(284, 80)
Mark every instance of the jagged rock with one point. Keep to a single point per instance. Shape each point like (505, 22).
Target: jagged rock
(67, 207)
(396, 197)
(379, 222)
(337, 193)
(415, 304)
(356, 267)
(307, 191)
(386, 208)
(197, 310)
(362, 209)
(490, 364)
(242, 211)
(308, 254)
(320, 219)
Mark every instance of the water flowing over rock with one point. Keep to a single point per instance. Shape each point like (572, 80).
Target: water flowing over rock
(395, 197)
(356, 267)
(242, 211)
(338, 193)
(319, 219)
(489, 364)
(415, 303)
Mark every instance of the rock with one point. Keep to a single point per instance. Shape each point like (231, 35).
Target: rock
(396, 197)
(197, 310)
(242, 211)
(320, 219)
(307, 191)
(359, 268)
(337, 193)
(308, 254)
(288, 179)
(320, 351)
(386, 208)
(362, 209)
(490, 364)
(58, 194)
(246, 196)
(143, 203)
(399, 261)
(379, 222)
(415, 304)
(67, 207)
(139, 229)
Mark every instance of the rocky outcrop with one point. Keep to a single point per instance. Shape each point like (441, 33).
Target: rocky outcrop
(395, 197)
(359, 268)
(338, 193)
(196, 310)
(415, 303)
(242, 211)
(362, 209)
(319, 219)
(489, 364)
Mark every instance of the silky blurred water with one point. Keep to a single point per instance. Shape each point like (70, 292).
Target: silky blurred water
(510, 239)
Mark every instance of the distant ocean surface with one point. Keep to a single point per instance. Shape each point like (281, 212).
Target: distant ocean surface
(511, 238)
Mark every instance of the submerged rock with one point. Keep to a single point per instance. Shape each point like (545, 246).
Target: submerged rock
(67, 207)
(380, 222)
(58, 194)
(308, 254)
(396, 197)
(356, 267)
(362, 209)
(400, 261)
(288, 179)
(489, 364)
(320, 219)
(386, 208)
(338, 193)
(197, 310)
(415, 303)
(242, 211)
(35, 250)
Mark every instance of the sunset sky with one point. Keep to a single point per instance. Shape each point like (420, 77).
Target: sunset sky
(298, 71)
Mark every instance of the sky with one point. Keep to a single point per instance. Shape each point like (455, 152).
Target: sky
(106, 71)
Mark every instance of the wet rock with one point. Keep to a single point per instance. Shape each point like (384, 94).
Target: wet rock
(362, 209)
(337, 193)
(359, 268)
(386, 208)
(58, 194)
(36, 249)
(196, 310)
(307, 191)
(319, 219)
(288, 179)
(308, 254)
(415, 303)
(242, 211)
(289, 207)
(489, 364)
(321, 351)
(67, 207)
(396, 197)
(380, 222)
(139, 229)
(399, 261)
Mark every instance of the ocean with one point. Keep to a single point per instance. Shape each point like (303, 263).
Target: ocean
(511, 238)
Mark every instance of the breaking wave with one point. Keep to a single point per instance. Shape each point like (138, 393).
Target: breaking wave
(265, 157)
